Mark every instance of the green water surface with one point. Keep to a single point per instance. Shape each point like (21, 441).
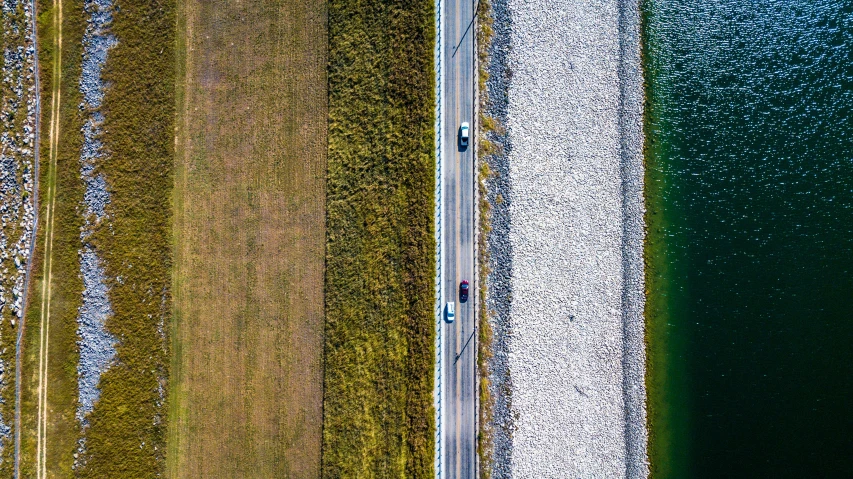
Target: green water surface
(750, 246)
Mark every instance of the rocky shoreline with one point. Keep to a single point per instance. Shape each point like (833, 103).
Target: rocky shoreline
(565, 289)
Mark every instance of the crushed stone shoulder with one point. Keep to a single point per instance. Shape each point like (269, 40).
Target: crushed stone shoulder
(566, 289)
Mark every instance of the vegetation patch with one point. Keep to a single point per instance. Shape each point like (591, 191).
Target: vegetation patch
(486, 336)
(60, 185)
(126, 432)
(485, 148)
(379, 355)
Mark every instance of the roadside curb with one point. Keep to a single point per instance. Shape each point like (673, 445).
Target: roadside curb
(439, 237)
(476, 185)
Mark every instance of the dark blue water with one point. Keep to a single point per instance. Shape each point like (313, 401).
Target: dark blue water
(750, 194)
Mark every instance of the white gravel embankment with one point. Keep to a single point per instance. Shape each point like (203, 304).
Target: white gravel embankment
(566, 243)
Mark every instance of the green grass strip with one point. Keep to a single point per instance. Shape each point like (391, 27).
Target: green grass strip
(378, 412)
(62, 181)
(126, 438)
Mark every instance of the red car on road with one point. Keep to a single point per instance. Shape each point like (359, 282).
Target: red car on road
(463, 291)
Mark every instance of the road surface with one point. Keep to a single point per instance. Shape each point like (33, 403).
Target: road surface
(459, 388)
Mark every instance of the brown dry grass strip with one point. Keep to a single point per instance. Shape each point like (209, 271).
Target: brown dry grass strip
(246, 391)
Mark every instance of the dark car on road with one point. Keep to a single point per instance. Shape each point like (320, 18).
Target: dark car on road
(463, 291)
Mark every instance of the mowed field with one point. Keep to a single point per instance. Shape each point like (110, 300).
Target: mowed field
(247, 372)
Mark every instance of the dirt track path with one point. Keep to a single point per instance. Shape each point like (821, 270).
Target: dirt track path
(50, 195)
(22, 322)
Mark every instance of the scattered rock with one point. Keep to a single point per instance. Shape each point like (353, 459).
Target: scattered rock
(17, 162)
(96, 344)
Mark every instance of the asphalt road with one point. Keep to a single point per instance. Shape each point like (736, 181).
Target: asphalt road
(459, 389)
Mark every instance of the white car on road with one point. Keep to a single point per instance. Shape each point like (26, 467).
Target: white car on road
(449, 312)
(463, 134)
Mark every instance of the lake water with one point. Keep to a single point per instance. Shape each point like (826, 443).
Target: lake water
(750, 247)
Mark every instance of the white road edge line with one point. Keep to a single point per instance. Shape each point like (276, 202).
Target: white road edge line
(475, 161)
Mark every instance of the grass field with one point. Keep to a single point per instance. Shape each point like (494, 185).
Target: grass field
(60, 186)
(126, 437)
(246, 394)
(253, 227)
(378, 412)
(127, 433)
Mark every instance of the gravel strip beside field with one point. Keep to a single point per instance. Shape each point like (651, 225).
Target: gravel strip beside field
(569, 326)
